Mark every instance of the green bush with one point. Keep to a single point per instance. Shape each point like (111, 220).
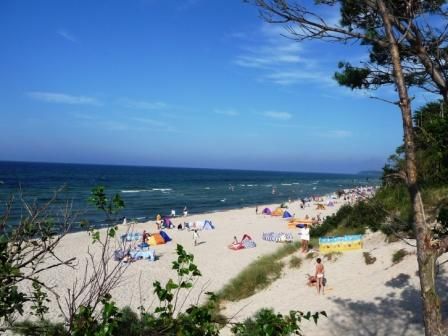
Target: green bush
(399, 255)
(369, 260)
(37, 328)
(351, 219)
(267, 323)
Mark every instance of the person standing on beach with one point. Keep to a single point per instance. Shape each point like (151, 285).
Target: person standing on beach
(320, 273)
(256, 210)
(185, 211)
(305, 235)
(195, 237)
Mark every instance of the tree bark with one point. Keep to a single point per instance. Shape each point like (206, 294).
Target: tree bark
(426, 255)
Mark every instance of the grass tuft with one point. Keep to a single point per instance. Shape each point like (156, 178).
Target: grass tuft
(332, 256)
(257, 275)
(295, 262)
(398, 256)
(311, 255)
(368, 258)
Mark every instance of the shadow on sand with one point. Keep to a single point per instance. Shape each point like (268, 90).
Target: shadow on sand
(391, 314)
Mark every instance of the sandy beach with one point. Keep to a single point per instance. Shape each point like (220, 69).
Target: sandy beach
(378, 299)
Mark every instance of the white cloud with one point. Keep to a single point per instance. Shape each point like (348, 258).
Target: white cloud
(272, 51)
(335, 134)
(278, 115)
(143, 105)
(298, 76)
(66, 35)
(62, 98)
(228, 112)
(281, 60)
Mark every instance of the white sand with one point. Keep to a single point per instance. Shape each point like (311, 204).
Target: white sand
(378, 299)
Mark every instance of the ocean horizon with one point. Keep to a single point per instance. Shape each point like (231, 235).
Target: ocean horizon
(148, 191)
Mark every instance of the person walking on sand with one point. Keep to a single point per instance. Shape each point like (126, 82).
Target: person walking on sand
(320, 273)
(256, 210)
(195, 237)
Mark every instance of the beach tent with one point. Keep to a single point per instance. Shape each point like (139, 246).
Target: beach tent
(155, 239)
(266, 211)
(330, 203)
(286, 214)
(167, 222)
(207, 225)
(246, 242)
(277, 212)
(165, 236)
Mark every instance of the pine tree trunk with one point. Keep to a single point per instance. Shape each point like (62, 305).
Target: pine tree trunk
(426, 256)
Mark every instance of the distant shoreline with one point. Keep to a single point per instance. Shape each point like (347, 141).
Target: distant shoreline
(150, 191)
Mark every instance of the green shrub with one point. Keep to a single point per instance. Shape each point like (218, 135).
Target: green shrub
(37, 328)
(331, 222)
(267, 323)
(295, 262)
(368, 258)
(399, 255)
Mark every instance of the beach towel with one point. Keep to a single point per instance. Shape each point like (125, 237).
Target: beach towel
(280, 237)
(236, 246)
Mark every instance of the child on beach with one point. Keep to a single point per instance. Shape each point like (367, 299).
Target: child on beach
(320, 273)
(195, 237)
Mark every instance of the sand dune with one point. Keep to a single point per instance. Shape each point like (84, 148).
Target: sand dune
(378, 299)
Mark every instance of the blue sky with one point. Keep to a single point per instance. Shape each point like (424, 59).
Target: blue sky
(192, 83)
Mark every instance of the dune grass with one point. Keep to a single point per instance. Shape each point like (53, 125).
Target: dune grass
(295, 262)
(332, 256)
(257, 275)
(311, 255)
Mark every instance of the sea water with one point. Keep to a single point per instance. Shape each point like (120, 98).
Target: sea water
(148, 191)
